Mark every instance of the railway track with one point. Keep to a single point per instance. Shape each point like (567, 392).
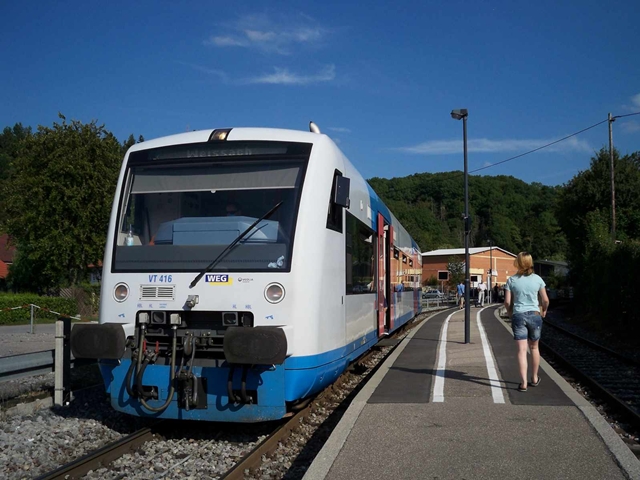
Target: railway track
(615, 377)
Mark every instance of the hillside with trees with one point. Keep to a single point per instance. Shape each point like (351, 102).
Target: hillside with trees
(513, 214)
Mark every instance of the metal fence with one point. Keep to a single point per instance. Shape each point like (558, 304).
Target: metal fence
(438, 302)
(32, 308)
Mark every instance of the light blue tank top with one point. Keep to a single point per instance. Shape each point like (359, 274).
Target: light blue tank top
(525, 292)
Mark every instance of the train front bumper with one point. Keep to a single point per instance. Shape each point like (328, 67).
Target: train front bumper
(103, 341)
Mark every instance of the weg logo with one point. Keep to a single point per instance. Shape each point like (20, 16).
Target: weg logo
(218, 279)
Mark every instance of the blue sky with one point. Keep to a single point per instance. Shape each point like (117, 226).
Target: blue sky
(379, 77)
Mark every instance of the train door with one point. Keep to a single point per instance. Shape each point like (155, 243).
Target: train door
(384, 274)
(390, 275)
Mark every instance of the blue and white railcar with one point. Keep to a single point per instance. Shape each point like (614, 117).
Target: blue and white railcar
(244, 269)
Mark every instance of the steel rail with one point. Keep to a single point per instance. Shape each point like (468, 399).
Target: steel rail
(254, 458)
(36, 363)
(102, 457)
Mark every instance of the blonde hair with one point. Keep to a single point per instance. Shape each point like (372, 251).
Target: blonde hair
(524, 263)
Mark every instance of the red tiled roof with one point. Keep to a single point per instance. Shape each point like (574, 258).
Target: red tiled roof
(6, 252)
(4, 269)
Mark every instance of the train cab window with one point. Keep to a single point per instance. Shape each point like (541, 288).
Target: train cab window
(361, 257)
(334, 214)
(180, 214)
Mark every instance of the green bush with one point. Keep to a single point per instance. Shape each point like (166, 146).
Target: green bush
(64, 306)
(606, 286)
(91, 298)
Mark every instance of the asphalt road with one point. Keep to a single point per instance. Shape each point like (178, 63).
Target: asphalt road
(16, 339)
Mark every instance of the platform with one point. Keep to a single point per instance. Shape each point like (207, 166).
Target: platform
(442, 409)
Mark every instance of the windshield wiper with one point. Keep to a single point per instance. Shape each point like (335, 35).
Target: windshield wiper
(233, 244)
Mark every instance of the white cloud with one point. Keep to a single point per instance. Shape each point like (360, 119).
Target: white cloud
(269, 35)
(484, 145)
(630, 126)
(339, 129)
(256, 36)
(283, 76)
(225, 42)
(634, 105)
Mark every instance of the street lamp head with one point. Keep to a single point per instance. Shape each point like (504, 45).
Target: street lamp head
(459, 114)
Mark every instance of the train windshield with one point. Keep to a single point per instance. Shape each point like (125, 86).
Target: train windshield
(181, 208)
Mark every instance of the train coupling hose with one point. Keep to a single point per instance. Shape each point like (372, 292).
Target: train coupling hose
(172, 376)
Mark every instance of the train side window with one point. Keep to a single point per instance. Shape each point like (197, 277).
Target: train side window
(334, 214)
(360, 257)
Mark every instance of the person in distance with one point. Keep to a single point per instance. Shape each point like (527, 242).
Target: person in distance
(526, 302)
(460, 294)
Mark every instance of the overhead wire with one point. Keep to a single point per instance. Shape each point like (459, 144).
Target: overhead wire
(627, 115)
(552, 143)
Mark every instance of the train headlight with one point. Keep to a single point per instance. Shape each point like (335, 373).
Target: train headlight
(121, 292)
(274, 293)
(219, 135)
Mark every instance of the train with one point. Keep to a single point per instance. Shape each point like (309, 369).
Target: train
(244, 270)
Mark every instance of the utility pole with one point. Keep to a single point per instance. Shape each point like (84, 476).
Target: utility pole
(613, 189)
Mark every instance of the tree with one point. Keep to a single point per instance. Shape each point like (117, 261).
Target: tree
(456, 271)
(590, 191)
(57, 209)
(11, 140)
(129, 142)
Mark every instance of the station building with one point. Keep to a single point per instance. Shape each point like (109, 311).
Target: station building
(482, 259)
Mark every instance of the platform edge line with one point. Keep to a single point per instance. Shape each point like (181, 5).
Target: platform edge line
(441, 368)
(492, 371)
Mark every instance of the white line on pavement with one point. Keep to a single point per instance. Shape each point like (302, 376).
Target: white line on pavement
(496, 389)
(438, 385)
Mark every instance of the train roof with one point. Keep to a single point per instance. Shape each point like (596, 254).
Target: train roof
(241, 133)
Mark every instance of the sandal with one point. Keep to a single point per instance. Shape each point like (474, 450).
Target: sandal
(521, 388)
(535, 384)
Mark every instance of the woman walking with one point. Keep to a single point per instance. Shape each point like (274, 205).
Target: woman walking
(526, 302)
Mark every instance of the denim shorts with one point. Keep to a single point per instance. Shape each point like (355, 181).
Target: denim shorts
(526, 325)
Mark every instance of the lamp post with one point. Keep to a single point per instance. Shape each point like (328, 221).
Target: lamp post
(462, 114)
